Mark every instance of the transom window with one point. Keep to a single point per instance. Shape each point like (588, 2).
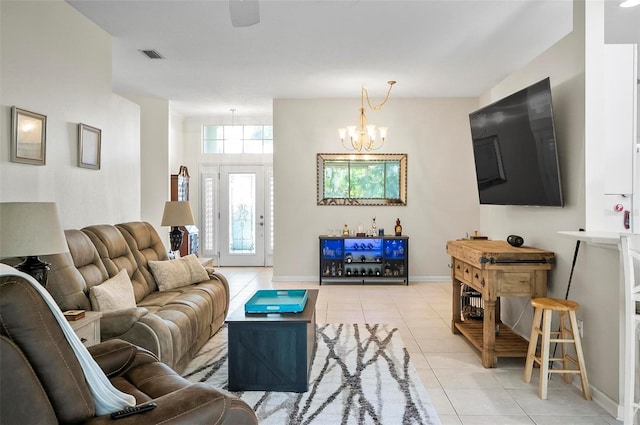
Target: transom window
(237, 139)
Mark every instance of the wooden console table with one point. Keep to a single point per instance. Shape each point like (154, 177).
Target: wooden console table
(495, 269)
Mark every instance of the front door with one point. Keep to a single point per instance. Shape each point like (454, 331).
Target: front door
(242, 216)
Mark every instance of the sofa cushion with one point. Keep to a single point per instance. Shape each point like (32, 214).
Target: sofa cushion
(145, 245)
(173, 274)
(113, 294)
(116, 255)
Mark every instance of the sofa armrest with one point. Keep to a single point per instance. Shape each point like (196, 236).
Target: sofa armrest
(115, 323)
(197, 403)
(225, 283)
(116, 356)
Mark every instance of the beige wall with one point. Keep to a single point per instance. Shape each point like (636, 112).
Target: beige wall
(442, 198)
(63, 70)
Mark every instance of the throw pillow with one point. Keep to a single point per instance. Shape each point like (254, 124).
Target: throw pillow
(171, 274)
(113, 294)
(198, 272)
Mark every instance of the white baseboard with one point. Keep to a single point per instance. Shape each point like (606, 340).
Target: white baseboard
(314, 278)
(430, 279)
(603, 400)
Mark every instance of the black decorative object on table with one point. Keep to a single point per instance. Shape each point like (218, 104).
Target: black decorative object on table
(36, 268)
(515, 240)
(175, 237)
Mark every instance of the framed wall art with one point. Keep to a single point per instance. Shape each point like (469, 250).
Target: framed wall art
(89, 141)
(28, 137)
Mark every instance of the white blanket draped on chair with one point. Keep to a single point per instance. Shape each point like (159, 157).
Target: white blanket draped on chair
(106, 397)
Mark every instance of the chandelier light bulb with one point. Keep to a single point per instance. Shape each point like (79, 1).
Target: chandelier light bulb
(371, 130)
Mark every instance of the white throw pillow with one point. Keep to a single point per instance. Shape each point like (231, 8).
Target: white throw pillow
(198, 272)
(183, 271)
(113, 294)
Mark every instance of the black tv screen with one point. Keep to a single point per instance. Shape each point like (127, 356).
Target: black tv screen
(515, 152)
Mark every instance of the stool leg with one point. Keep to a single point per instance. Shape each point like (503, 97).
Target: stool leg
(586, 390)
(544, 354)
(533, 345)
(564, 334)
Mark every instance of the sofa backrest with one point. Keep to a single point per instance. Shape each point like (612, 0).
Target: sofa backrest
(116, 255)
(42, 379)
(145, 245)
(74, 273)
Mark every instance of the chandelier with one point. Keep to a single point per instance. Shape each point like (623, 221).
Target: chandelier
(364, 135)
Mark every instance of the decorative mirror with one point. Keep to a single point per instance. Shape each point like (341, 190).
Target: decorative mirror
(362, 179)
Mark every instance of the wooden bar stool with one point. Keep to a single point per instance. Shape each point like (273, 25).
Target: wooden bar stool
(544, 308)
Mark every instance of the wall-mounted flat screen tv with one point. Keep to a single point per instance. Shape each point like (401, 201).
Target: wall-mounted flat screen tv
(515, 152)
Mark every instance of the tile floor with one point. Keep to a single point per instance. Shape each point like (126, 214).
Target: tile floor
(462, 391)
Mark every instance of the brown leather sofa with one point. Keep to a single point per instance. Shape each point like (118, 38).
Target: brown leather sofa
(43, 382)
(173, 324)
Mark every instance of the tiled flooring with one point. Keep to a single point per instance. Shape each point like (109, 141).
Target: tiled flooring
(462, 391)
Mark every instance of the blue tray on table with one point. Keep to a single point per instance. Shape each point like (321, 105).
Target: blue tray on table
(277, 301)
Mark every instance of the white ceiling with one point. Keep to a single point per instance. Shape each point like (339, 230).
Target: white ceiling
(320, 48)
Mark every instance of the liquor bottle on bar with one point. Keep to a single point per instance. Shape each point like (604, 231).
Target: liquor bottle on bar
(398, 228)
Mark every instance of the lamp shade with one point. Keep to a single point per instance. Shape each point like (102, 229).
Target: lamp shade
(30, 229)
(177, 213)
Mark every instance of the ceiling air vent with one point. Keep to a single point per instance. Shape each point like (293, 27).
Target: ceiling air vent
(151, 54)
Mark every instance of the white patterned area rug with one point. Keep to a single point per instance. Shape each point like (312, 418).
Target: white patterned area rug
(361, 374)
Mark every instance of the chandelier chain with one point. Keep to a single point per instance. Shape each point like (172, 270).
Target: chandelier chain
(379, 106)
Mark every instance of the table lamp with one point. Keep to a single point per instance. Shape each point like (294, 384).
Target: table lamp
(30, 229)
(176, 213)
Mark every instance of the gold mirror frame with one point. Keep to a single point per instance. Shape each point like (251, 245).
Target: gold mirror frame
(323, 158)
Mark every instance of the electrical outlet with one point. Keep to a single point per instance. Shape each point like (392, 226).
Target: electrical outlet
(581, 328)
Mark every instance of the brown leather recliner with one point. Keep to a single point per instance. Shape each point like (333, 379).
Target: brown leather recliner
(42, 381)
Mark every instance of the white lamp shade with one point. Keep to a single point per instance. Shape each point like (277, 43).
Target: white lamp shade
(30, 229)
(177, 213)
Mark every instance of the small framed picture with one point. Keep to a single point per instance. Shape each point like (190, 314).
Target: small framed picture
(28, 137)
(89, 140)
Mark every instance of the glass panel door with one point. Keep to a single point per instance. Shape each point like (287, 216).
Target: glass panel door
(242, 216)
